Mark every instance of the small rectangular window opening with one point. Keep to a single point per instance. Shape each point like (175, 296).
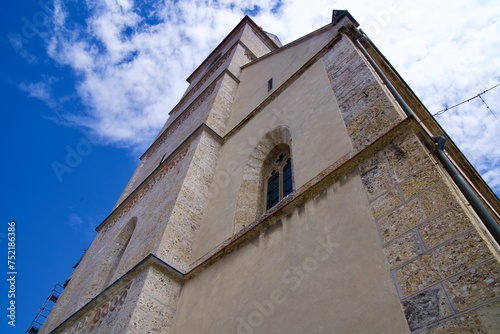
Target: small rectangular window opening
(270, 84)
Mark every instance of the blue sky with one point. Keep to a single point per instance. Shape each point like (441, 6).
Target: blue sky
(88, 84)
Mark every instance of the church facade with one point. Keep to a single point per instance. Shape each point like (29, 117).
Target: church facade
(301, 188)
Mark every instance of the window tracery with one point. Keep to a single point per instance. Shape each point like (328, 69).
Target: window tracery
(278, 177)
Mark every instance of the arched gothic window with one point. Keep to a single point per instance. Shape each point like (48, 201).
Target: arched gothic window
(278, 177)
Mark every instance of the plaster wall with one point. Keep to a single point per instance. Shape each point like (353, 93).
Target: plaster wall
(316, 270)
(280, 66)
(306, 107)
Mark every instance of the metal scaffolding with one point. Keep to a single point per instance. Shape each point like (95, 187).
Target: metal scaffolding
(44, 311)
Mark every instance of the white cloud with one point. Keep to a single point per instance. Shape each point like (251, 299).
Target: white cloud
(131, 58)
(41, 90)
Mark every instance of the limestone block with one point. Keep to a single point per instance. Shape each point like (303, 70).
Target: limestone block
(426, 308)
(466, 323)
(378, 179)
(420, 181)
(461, 253)
(485, 319)
(407, 156)
(386, 203)
(437, 199)
(490, 316)
(417, 275)
(401, 220)
(403, 249)
(439, 228)
(366, 108)
(475, 285)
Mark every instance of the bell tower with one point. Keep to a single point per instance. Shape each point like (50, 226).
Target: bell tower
(298, 188)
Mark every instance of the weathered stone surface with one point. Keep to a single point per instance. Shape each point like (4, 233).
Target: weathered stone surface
(407, 156)
(485, 319)
(439, 228)
(386, 203)
(489, 315)
(477, 284)
(401, 220)
(417, 275)
(437, 199)
(420, 181)
(460, 254)
(403, 249)
(426, 307)
(368, 112)
(378, 160)
(466, 323)
(377, 180)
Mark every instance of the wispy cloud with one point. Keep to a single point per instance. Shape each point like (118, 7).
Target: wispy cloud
(81, 226)
(130, 58)
(41, 90)
(74, 221)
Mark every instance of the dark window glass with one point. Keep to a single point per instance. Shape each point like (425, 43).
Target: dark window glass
(280, 182)
(287, 178)
(273, 190)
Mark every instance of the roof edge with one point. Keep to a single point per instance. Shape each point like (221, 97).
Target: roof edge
(246, 20)
(339, 14)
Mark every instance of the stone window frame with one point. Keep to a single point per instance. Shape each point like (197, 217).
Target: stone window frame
(250, 203)
(274, 166)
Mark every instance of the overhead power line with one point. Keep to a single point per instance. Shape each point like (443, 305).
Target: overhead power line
(468, 100)
(491, 111)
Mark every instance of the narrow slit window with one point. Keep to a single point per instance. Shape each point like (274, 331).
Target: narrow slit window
(270, 84)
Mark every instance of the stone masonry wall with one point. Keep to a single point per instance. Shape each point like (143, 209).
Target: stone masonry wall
(167, 207)
(221, 109)
(145, 303)
(151, 206)
(169, 140)
(212, 105)
(156, 297)
(367, 110)
(184, 222)
(445, 273)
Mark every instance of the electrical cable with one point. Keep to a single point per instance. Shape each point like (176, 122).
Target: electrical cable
(491, 111)
(465, 101)
(468, 100)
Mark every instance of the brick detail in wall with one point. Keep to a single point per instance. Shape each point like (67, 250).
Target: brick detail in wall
(446, 276)
(135, 198)
(91, 320)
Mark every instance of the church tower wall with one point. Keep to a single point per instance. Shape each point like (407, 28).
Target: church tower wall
(371, 236)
